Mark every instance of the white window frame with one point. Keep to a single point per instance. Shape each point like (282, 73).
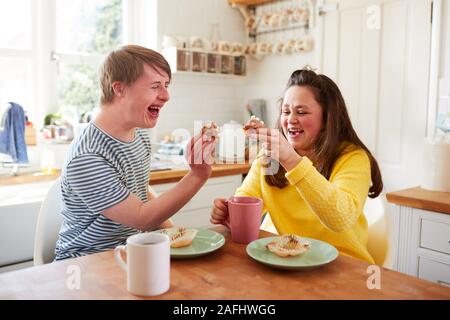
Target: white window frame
(137, 29)
(433, 90)
(30, 55)
(50, 57)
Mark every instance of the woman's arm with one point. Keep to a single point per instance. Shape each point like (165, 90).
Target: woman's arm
(338, 202)
(251, 186)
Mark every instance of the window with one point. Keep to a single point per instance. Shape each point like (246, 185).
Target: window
(95, 28)
(16, 53)
(75, 35)
(15, 24)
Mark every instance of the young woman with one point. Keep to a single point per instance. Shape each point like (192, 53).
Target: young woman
(325, 172)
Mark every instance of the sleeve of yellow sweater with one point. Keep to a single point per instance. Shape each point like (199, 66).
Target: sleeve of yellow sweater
(338, 202)
(252, 183)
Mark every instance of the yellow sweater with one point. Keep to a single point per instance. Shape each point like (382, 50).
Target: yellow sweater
(314, 207)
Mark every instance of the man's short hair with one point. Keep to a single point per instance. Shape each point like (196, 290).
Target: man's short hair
(126, 65)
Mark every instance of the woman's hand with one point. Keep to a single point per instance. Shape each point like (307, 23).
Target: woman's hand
(275, 146)
(219, 214)
(253, 123)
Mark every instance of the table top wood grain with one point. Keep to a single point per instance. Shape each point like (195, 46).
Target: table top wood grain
(228, 273)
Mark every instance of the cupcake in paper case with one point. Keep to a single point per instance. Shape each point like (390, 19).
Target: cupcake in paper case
(289, 245)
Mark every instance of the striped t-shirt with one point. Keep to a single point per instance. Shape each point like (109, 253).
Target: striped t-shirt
(100, 172)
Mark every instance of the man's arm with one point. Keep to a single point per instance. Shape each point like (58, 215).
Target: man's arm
(151, 194)
(149, 215)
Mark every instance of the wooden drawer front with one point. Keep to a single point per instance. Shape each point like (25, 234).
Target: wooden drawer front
(222, 187)
(212, 190)
(434, 271)
(435, 236)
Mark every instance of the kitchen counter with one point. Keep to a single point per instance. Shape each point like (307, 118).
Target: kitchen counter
(218, 170)
(24, 178)
(156, 177)
(421, 199)
(228, 273)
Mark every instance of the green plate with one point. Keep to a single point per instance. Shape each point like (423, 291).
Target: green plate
(205, 241)
(320, 254)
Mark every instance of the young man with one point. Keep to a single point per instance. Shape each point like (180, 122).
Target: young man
(104, 181)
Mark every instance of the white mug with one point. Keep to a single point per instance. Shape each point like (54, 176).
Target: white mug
(148, 263)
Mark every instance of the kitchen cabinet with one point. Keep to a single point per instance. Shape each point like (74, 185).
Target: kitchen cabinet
(421, 233)
(19, 208)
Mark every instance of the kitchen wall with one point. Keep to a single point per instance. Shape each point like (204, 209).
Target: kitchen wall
(193, 97)
(219, 98)
(268, 77)
(196, 97)
(445, 41)
(200, 97)
(444, 64)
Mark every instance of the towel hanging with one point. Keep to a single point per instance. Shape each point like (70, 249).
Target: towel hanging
(12, 136)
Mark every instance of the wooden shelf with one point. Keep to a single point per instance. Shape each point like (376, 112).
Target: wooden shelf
(286, 28)
(248, 2)
(192, 73)
(196, 62)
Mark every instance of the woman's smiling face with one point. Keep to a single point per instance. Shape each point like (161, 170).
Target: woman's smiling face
(301, 118)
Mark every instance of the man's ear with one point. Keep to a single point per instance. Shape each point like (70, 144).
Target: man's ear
(118, 88)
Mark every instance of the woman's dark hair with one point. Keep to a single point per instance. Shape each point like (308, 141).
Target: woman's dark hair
(337, 128)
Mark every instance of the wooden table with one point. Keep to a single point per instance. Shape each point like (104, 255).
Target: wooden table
(225, 274)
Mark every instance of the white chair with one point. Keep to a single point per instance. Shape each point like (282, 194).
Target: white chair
(48, 225)
(267, 224)
(378, 242)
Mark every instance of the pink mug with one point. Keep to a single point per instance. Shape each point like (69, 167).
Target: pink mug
(244, 218)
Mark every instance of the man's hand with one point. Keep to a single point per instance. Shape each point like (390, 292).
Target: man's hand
(200, 156)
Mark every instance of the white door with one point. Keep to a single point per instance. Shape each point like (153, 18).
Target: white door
(378, 52)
